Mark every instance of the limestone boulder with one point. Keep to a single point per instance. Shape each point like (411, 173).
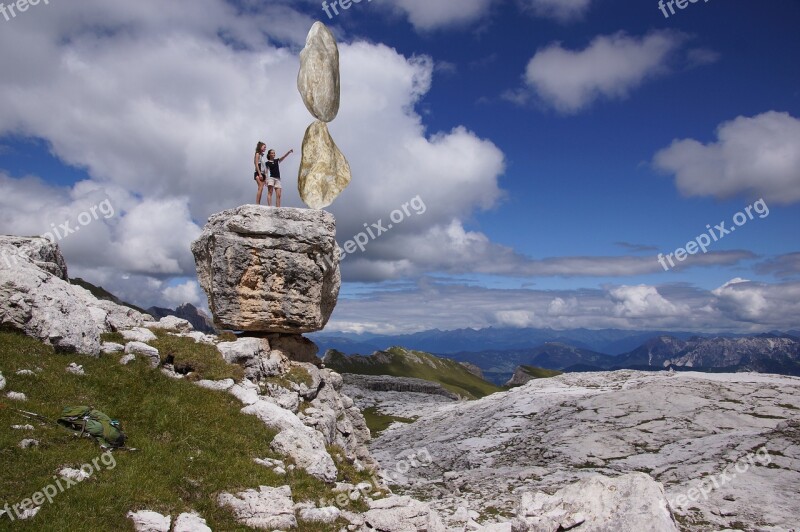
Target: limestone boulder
(319, 79)
(324, 170)
(269, 270)
(265, 508)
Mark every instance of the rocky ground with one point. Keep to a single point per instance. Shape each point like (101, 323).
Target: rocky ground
(726, 447)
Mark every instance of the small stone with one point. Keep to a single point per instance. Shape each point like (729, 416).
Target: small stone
(266, 508)
(28, 443)
(127, 359)
(22, 427)
(139, 334)
(17, 396)
(324, 170)
(26, 373)
(190, 522)
(78, 475)
(147, 521)
(328, 514)
(75, 369)
(109, 348)
(2, 382)
(149, 352)
(319, 79)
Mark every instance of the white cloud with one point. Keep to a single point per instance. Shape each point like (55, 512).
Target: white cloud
(163, 108)
(642, 302)
(434, 14)
(757, 156)
(734, 308)
(188, 292)
(610, 67)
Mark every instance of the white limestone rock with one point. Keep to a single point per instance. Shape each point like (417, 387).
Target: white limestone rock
(148, 521)
(2, 382)
(109, 348)
(255, 356)
(17, 396)
(139, 334)
(220, 386)
(324, 170)
(171, 323)
(327, 514)
(319, 79)
(265, 509)
(402, 514)
(190, 522)
(75, 369)
(147, 351)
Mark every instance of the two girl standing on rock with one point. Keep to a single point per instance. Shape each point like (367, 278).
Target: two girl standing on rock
(268, 172)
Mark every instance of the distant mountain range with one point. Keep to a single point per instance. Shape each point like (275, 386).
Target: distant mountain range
(610, 341)
(765, 353)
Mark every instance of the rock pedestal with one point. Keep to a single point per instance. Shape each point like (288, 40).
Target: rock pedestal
(269, 270)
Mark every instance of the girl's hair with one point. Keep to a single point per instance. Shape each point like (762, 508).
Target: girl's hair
(259, 146)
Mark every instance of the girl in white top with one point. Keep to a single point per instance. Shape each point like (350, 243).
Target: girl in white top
(262, 170)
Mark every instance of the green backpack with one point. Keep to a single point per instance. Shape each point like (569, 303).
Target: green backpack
(86, 419)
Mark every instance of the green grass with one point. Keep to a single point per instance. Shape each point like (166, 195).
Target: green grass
(540, 373)
(201, 359)
(193, 444)
(417, 364)
(377, 422)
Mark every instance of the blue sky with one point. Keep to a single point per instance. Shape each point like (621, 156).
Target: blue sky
(558, 147)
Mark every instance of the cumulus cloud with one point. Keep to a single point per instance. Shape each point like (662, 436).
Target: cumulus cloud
(737, 307)
(164, 116)
(433, 14)
(757, 156)
(188, 292)
(610, 67)
(643, 302)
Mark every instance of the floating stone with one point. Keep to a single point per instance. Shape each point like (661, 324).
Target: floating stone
(324, 170)
(318, 80)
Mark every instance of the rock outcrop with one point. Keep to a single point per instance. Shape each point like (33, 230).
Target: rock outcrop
(36, 298)
(726, 447)
(386, 383)
(269, 270)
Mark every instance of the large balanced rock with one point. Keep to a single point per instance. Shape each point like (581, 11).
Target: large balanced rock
(324, 170)
(269, 270)
(37, 299)
(318, 80)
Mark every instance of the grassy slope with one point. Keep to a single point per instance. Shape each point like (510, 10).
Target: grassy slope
(540, 373)
(194, 444)
(406, 363)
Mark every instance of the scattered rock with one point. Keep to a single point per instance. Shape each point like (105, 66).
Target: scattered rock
(2, 382)
(75, 369)
(324, 170)
(401, 514)
(109, 348)
(220, 386)
(147, 521)
(28, 443)
(255, 356)
(266, 508)
(326, 515)
(78, 475)
(22, 427)
(319, 80)
(147, 351)
(139, 334)
(17, 396)
(269, 270)
(127, 359)
(26, 373)
(190, 522)
(171, 323)
(306, 447)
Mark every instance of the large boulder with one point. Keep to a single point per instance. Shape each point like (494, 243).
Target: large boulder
(273, 270)
(324, 170)
(264, 509)
(318, 80)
